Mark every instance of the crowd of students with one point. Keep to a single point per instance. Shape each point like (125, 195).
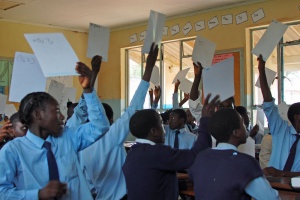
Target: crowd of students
(44, 157)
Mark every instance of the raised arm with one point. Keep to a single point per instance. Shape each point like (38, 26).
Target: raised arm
(175, 95)
(185, 99)
(266, 92)
(157, 94)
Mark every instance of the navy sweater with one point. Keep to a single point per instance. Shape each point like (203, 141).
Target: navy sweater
(223, 174)
(150, 170)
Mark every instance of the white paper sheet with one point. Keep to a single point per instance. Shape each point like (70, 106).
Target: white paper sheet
(165, 31)
(54, 53)
(270, 74)
(56, 90)
(226, 19)
(98, 41)
(175, 30)
(203, 51)
(242, 17)
(258, 15)
(213, 22)
(248, 147)
(155, 76)
(3, 99)
(260, 120)
(9, 110)
(142, 36)
(185, 86)
(270, 39)
(155, 30)
(181, 75)
(133, 38)
(219, 79)
(187, 28)
(27, 77)
(200, 25)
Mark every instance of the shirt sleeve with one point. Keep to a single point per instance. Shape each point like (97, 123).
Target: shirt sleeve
(8, 171)
(175, 101)
(196, 108)
(98, 124)
(259, 188)
(80, 114)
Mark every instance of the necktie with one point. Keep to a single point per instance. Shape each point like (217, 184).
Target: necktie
(176, 142)
(289, 162)
(53, 170)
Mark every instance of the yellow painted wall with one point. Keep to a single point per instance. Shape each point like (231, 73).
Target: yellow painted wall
(225, 36)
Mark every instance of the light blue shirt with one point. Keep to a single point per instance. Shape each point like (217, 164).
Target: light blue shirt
(259, 188)
(102, 162)
(186, 139)
(23, 161)
(283, 137)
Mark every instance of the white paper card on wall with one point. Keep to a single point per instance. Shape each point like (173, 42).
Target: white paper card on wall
(54, 53)
(3, 99)
(187, 28)
(219, 79)
(9, 110)
(203, 51)
(142, 35)
(242, 17)
(185, 85)
(270, 39)
(260, 120)
(175, 30)
(155, 29)
(258, 15)
(155, 76)
(165, 32)
(200, 25)
(69, 94)
(56, 89)
(181, 75)
(283, 109)
(133, 38)
(226, 19)
(270, 74)
(98, 41)
(27, 77)
(213, 22)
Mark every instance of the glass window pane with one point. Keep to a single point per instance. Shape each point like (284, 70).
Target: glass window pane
(291, 73)
(187, 63)
(292, 33)
(188, 46)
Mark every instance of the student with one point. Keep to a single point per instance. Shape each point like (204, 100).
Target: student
(18, 128)
(150, 167)
(251, 131)
(102, 162)
(224, 173)
(281, 163)
(43, 164)
(265, 151)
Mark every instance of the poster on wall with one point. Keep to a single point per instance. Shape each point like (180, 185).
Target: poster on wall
(200, 25)
(258, 15)
(187, 28)
(142, 35)
(213, 22)
(226, 19)
(242, 17)
(175, 29)
(133, 38)
(165, 32)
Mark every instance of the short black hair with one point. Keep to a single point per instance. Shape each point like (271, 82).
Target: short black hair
(222, 124)
(242, 110)
(14, 118)
(181, 113)
(165, 116)
(142, 121)
(108, 111)
(294, 109)
(31, 102)
(69, 103)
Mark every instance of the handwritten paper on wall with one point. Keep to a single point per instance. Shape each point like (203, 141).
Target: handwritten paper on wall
(203, 51)
(54, 53)
(270, 39)
(213, 22)
(200, 25)
(56, 90)
(27, 77)
(98, 41)
(155, 30)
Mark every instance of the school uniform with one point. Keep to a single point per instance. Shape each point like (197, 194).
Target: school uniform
(224, 173)
(186, 139)
(283, 137)
(150, 169)
(23, 161)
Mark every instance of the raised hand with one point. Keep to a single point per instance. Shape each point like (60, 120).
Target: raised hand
(198, 69)
(96, 65)
(53, 190)
(261, 63)
(85, 76)
(186, 96)
(209, 108)
(6, 132)
(151, 59)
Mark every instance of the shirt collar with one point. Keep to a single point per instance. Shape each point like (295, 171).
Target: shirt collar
(144, 141)
(39, 142)
(226, 146)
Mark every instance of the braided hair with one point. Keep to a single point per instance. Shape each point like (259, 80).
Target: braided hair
(31, 102)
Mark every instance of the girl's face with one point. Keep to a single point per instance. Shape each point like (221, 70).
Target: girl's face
(18, 129)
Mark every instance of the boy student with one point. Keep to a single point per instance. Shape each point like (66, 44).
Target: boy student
(102, 162)
(285, 157)
(236, 175)
(150, 167)
(43, 164)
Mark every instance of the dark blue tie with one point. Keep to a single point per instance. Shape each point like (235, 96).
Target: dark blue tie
(53, 170)
(176, 141)
(290, 161)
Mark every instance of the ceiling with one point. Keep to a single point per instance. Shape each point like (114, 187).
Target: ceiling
(77, 14)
